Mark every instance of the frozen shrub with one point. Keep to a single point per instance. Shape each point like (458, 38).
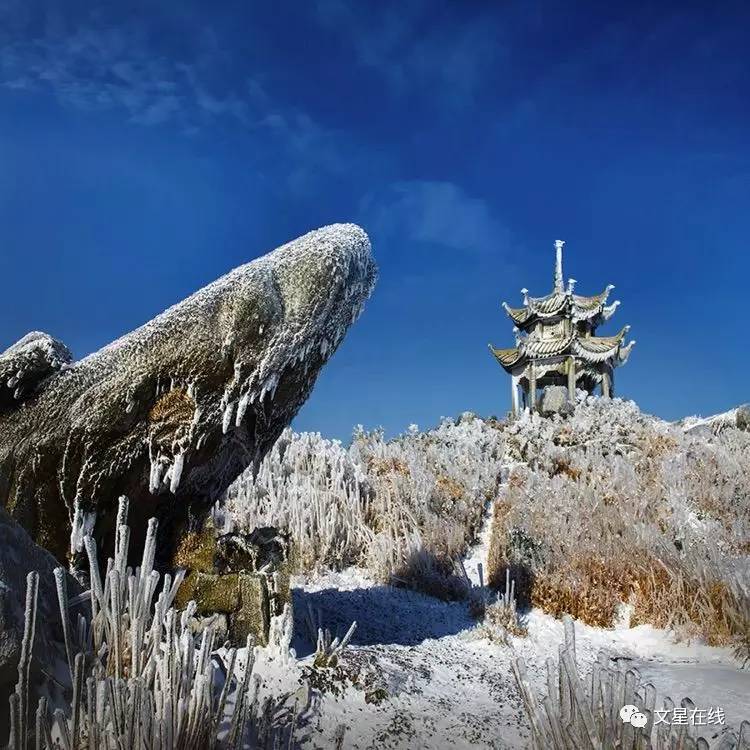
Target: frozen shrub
(312, 488)
(407, 507)
(608, 506)
(432, 574)
(615, 506)
(501, 618)
(140, 675)
(328, 649)
(585, 713)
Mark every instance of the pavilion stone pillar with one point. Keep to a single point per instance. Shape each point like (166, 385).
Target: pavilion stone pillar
(572, 379)
(514, 394)
(532, 386)
(606, 390)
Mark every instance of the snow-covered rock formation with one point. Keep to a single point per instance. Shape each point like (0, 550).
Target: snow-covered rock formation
(26, 364)
(171, 413)
(738, 417)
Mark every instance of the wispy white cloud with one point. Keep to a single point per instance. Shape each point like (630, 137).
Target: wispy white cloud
(435, 213)
(410, 51)
(97, 65)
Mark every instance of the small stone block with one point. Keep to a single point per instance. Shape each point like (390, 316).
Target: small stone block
(253, 614)
(216, 593)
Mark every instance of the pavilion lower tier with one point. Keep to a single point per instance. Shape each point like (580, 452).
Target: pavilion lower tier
(571, 371)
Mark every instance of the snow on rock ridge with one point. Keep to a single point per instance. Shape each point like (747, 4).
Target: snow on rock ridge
(178, 408)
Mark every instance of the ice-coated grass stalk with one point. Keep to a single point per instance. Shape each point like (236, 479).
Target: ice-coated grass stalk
(160, 695)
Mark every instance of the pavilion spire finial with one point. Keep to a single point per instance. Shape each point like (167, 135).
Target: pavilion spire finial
(559, 283)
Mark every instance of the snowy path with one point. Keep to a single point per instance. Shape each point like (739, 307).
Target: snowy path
(479, 553)
(446, 687)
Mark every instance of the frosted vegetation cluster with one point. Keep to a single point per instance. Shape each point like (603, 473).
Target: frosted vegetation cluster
(406, 509)
(612, 506)
(605, 514)
(141, 676)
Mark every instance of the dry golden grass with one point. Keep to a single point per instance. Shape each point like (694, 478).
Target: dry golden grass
(605, 513)
(449, 488)
(590, 590)
(504, 618)
(667, 599)
(562, 465)
(382, 467)
(174, 407)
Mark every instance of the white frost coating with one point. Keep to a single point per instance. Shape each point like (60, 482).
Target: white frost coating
(157, 467)
(269, 387)
(176, 472)
(82, 526)
(302, 297)
(242, 408)
(355, 265)
(308, 327)
(227, 418)
(321, 492)
(30, 360)
(715, 423)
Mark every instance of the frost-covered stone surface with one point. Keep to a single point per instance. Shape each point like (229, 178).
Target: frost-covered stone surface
(25, 365)
(555, 401)
(171, 413)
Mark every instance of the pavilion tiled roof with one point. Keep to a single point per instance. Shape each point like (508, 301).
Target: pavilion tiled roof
(579, 307)
(589, 349)
(540, 313)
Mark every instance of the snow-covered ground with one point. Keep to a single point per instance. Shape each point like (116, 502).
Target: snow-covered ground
(714, 422)
(446, 685)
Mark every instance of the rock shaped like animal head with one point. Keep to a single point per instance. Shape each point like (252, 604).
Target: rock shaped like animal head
(171, 413)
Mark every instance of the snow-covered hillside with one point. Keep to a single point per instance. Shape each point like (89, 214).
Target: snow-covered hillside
(638, 527)
(453, 560)
(737, 417)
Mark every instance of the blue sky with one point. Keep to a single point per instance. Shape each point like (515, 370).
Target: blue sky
(148, 148)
